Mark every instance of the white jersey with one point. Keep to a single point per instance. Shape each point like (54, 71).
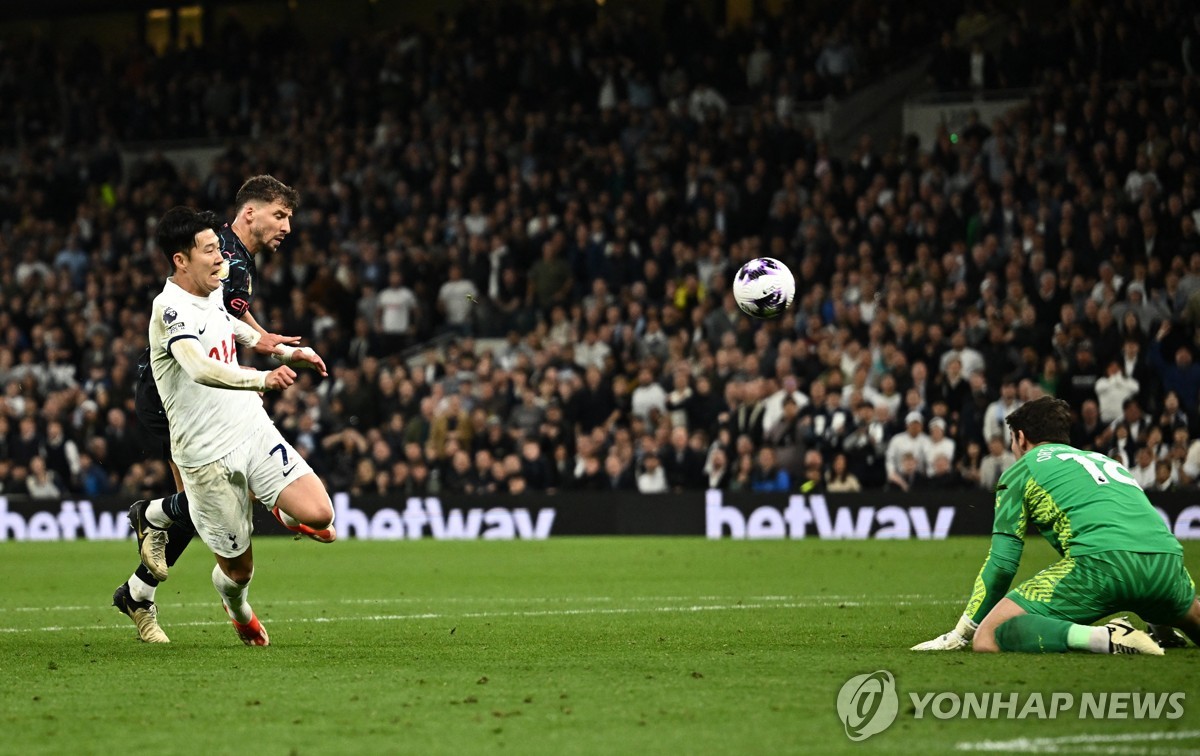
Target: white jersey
(206, 422)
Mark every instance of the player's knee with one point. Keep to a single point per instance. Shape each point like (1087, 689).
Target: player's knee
(322, 516)
(984, 644)
(240, 575)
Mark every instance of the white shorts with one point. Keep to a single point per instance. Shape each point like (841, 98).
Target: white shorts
(219, 492)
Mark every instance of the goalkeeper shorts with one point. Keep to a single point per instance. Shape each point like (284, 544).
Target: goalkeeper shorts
(1083, 589)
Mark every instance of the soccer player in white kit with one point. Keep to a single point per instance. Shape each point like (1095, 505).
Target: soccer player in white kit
(222, 439)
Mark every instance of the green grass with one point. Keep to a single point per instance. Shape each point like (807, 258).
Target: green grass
(562, 646)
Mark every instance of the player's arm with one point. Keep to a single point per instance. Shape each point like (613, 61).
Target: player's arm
(302, 357)
(235, 293)
(999, 567)
(295, 357)
(209, 372)
(267, 340)
(995, 576)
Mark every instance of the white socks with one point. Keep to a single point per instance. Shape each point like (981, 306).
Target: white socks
(288, 520)
(156, 516)
(139, 589)
(233, 595)
(292, 522)
(1100, 640)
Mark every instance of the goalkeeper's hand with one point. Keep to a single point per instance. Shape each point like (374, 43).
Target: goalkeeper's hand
(959, 637)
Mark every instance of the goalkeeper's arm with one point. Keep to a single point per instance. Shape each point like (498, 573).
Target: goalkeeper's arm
(991, 584)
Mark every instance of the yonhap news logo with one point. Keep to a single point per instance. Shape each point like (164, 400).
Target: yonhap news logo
(868, 704)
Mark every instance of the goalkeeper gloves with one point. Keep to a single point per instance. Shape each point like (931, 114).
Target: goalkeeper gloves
(959, 637)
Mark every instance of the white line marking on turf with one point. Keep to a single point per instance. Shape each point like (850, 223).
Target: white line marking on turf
(492, 615)
(833, 598)
(1082, 743)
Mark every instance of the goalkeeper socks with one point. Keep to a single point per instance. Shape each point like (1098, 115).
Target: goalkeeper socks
(175, 507)
(1089, 638)
(157, 516)
(233, 595)
(139, 589)
(1033, 634)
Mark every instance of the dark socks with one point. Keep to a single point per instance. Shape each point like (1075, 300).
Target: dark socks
(178, 538)
(175, 507)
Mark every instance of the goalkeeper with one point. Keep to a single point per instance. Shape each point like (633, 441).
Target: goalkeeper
(1117, 554)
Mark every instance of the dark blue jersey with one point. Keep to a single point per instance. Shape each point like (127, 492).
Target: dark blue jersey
(239, 279)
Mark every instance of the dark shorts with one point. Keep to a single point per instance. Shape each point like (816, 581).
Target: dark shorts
(148, 405)
(1156, 587)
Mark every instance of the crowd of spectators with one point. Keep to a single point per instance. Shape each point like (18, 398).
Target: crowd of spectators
(527, 289)
(487, 55)
(989, 51)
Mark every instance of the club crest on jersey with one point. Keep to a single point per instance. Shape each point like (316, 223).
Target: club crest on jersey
(224, 273)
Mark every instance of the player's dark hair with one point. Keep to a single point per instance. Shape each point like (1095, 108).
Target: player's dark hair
(177, 228)
(267, 189)
(1043, 420)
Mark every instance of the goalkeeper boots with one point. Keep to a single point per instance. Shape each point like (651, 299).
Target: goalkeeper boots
(1166, 636)
(1124, 638)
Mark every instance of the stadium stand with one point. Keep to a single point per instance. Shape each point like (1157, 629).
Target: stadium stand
(517, 233)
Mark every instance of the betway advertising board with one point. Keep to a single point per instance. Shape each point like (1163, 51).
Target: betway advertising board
(712, 514)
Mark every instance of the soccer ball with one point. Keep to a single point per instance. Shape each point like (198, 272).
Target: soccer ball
(764, 288)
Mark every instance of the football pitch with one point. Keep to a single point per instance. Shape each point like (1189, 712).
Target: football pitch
(571, 645)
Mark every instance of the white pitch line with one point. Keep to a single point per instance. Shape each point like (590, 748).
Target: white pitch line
(480, 615)
(918, 597)
(1124, 750)
(1077, 743)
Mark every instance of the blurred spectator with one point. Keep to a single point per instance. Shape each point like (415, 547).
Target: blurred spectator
(912, 445)
(1112, 390)
(812, 477)
(941, 476)
(998, 459)
(1144, 468)
(43, 483)
(970, 466)
(766, 475)
(716, 469)
(839, 478)
(683, 466)
(652, 479)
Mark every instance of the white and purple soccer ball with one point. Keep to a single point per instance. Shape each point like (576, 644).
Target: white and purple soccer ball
(764, 288)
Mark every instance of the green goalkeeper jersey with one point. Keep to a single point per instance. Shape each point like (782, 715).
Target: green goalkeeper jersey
(1082, 502)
